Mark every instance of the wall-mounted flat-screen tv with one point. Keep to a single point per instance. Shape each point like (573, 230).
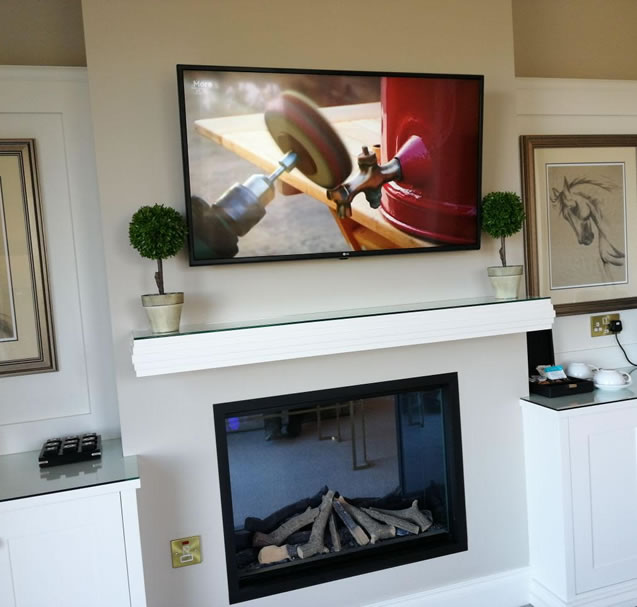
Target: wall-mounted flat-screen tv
(286, 164)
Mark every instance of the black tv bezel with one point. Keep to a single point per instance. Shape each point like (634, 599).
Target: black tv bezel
(346, 565)
(181, 68)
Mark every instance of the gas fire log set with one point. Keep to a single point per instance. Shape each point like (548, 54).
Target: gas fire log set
(327, 522)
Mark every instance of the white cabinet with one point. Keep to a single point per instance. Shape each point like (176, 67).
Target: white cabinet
(604, 482)
(73, 547)
(581, 468)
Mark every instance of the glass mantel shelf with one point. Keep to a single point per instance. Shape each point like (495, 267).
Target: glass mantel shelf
(227, 344)
(335, 315)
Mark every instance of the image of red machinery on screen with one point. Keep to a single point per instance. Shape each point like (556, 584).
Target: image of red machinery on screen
(283, 164)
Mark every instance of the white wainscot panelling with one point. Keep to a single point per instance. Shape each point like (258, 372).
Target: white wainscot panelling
(555, 106)
(571, 98)
(63, 393)
(50, 105)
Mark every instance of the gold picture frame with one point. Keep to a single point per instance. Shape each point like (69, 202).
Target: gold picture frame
(27, 343)
(580, 195)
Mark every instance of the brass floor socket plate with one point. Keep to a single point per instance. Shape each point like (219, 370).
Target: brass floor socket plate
(599, 324)
(186, 551)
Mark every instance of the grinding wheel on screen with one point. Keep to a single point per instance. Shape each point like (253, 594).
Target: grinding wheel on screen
(297, 125)
(309, 143)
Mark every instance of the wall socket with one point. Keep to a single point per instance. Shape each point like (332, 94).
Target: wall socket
(599, 324)
(186, 551)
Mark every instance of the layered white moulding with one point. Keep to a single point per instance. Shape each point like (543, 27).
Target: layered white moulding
(321, 334)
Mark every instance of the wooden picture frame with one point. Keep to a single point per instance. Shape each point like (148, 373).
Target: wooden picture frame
(580, 196)
(27, 343)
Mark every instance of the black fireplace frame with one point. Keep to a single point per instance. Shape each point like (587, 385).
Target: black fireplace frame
(351, 563)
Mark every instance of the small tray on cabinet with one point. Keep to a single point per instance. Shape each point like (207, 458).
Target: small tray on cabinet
(570, 385)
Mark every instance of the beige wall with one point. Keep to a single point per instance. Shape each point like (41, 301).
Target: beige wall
(132, 49)
(552, 38)
(575, 38)
(41, 32)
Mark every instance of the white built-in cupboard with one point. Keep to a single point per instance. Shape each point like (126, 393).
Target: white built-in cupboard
(581, 476)
(69, 535)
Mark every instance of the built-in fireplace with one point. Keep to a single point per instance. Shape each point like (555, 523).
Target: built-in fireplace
(322, 485)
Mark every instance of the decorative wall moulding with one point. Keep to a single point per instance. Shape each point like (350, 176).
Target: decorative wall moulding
(228, 345)
(575, 97)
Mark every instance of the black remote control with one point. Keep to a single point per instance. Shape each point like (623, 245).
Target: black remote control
(82, 447)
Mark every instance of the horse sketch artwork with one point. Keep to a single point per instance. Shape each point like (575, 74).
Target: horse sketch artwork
(587, 224)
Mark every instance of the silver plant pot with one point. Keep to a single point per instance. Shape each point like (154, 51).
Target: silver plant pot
(505, 280)
(164, 311)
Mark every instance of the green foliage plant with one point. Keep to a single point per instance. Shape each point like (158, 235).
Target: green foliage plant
(502, 216)
(157, 232)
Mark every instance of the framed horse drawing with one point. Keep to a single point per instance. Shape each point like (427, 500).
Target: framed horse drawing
(580, 194)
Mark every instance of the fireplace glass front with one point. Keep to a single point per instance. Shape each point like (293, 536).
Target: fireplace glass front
(322, 485)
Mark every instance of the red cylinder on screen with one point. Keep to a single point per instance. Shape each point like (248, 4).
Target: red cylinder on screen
(433, 126)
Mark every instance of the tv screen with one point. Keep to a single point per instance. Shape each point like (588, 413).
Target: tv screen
(286, 164)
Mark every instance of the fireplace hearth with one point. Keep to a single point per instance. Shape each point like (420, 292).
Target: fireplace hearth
(323, 485)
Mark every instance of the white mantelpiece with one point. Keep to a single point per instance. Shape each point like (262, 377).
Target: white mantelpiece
(232, 344)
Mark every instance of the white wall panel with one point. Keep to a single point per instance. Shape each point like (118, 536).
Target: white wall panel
(555, 106)
(51, 106)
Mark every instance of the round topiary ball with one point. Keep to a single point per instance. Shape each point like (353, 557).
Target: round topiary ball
(157, 232)
(502, 214)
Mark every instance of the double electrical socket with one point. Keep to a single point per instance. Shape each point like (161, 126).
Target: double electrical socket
(600, 324)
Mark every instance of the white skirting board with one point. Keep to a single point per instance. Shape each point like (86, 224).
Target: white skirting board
(617, 595)
(508, 589)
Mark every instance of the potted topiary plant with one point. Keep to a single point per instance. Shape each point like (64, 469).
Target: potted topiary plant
(502, 216)
(159, 232)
